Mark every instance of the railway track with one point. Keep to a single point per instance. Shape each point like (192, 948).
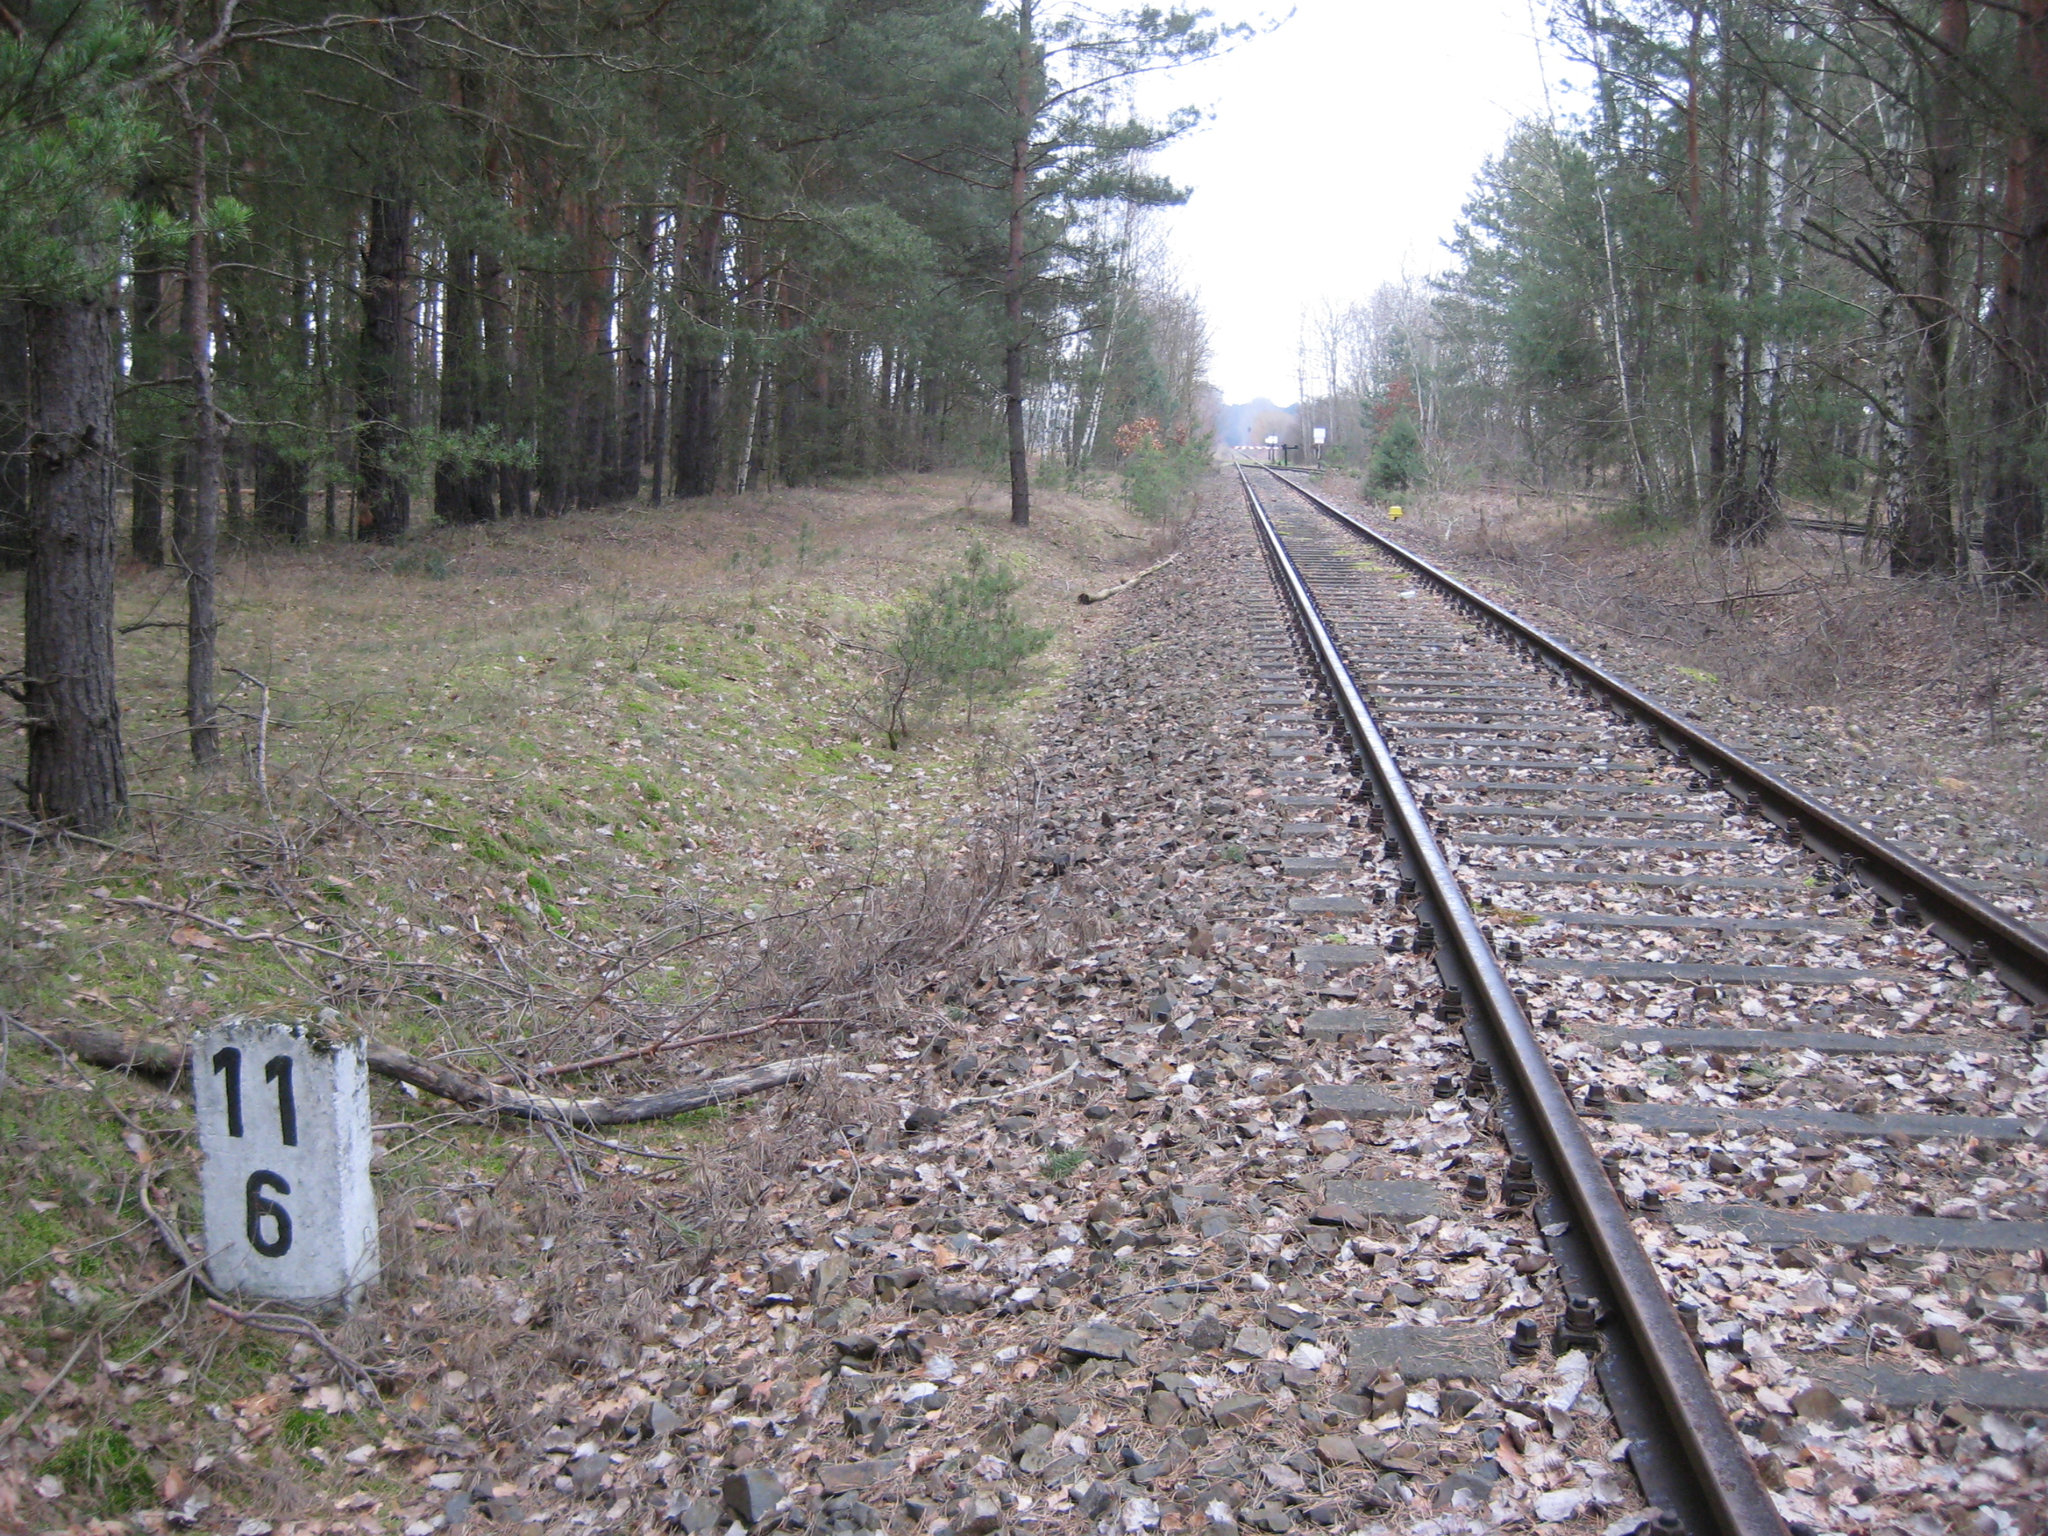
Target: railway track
(1769, 1087)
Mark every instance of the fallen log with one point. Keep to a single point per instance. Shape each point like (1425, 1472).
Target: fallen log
(158, 1058)
(1108, 592)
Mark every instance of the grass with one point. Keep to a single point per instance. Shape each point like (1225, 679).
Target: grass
(106, 1469)
(529, 794)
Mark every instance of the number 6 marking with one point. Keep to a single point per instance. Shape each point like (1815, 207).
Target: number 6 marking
(260, 1205)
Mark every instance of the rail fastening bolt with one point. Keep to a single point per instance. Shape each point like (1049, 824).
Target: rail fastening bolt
(1579, 1328)
(1525, 1340)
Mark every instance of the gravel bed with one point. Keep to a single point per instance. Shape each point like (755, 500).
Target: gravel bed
(1902, 764)
(1106, 1265)
(1781, 1319)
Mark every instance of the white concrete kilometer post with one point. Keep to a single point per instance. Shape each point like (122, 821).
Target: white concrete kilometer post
(284, 1138)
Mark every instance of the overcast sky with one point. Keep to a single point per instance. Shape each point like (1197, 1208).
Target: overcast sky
(1341, 149)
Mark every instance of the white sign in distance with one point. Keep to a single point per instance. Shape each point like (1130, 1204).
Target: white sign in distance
(1322, 435)
(1271, 441)
(284, 1141)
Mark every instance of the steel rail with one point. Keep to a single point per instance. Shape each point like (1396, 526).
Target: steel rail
(2017, 952)
(1724, 1497)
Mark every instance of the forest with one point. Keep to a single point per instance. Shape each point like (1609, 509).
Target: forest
(270, 272)
(1768, 254)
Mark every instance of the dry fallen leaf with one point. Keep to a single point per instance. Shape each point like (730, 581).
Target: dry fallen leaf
(195, 938)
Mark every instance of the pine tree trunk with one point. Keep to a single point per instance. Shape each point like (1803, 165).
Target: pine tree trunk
(497, 488)
(200, 551)
(657, 425)
(698, 407)
(636, 328)
(281, 494)
(73, 722)
(1024, 106)
(593, 444)
(146, 457)
(14, 407)
(383, 502)
(2015, 531)
(1923, 538)
(456, 484)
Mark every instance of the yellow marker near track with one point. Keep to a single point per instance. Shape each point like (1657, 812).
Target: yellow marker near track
(1394, 513)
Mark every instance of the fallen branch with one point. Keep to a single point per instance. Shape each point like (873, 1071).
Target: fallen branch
(1108, 592)
(667, 1043)
(1011, 1093)
(110, 1048)
(45, 833)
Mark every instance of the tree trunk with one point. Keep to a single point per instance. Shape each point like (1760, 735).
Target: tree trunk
(593, 445)
(1923, 538)
(1708, 495)
(383, 503)
(2013, 508)
(497, 488)
(281, 494)
(698, 407)
(1024, 106)
(461, 488)
(73, 722)
(657, 425)
(200, 552)
(636, 327)
(14, 408)
(146, 457)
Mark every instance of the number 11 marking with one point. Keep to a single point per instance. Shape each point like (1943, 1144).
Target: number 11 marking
(227, 1061)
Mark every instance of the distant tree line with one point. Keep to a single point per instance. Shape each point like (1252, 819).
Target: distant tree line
(1791, 249)
(303, 274)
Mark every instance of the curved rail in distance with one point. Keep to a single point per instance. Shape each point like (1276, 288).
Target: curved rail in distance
(1723, 1495)
(1975, 928)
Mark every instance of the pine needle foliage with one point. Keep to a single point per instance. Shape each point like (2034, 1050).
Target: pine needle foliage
(961, 640)
(68, 136)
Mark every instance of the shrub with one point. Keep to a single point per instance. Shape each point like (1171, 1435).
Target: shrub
(962, 639)
(1396, 457)
(1390, 422)
(1158, 473)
